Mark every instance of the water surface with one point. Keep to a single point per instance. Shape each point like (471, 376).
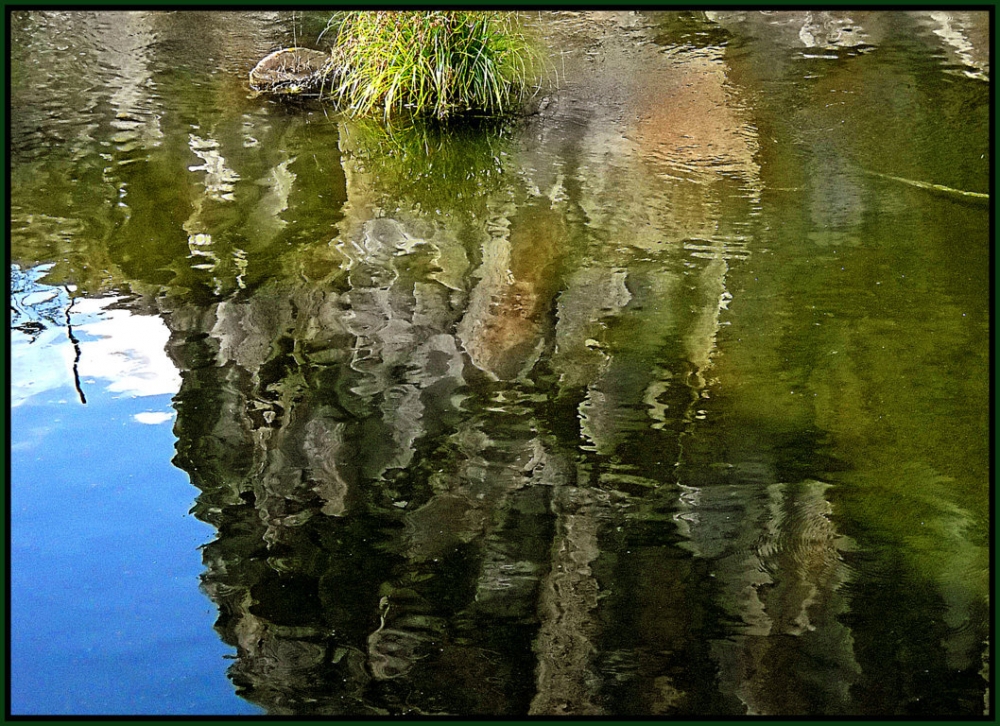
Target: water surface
(670, 399)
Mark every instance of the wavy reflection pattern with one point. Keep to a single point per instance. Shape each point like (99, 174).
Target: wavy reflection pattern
(495, 446)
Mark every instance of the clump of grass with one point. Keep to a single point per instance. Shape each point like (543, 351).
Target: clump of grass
(435, 63)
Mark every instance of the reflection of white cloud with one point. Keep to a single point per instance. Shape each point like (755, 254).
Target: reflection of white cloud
(128, 350)
(115, 345)
(40, 365)
(153, 417)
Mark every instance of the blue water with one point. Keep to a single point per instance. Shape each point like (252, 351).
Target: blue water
(107, 614)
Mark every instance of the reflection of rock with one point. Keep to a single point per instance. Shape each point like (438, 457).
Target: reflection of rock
(693, 126)
(591, 294)
(427, 536)
(323, 445)
(801, 543)
(829, 30)
(966, 36)
(136, 122)
(568, 682)
(266, 219)
(406, 633)
(353, 413)
(399, 535)
(810, 29)
(401, 353)
(505, 323)
(780, 565)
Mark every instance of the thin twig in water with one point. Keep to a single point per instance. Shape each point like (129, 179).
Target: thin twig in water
(930, 186)
(76, 347)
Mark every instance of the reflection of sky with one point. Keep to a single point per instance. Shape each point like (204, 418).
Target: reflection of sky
(107, 617)
(122, 352)
(40, 365)
(127, 350)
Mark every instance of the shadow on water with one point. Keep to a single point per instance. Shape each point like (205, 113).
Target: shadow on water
(645, 404)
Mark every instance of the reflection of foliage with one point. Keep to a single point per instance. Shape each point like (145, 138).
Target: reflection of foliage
(433, 62)
(433, 166)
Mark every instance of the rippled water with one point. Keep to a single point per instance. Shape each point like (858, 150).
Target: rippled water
(671, 398)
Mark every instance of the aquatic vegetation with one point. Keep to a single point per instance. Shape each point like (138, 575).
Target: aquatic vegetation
(436, 63)
(436, 167)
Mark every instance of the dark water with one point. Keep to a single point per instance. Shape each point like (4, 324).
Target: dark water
(670, 399)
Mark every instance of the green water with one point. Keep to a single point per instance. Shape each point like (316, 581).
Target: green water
(669, 399)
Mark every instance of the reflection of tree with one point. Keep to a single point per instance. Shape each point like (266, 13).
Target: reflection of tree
(381, 349)
(452, 527)
(392, 444)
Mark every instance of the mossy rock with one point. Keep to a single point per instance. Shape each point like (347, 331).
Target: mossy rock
(292, 71)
